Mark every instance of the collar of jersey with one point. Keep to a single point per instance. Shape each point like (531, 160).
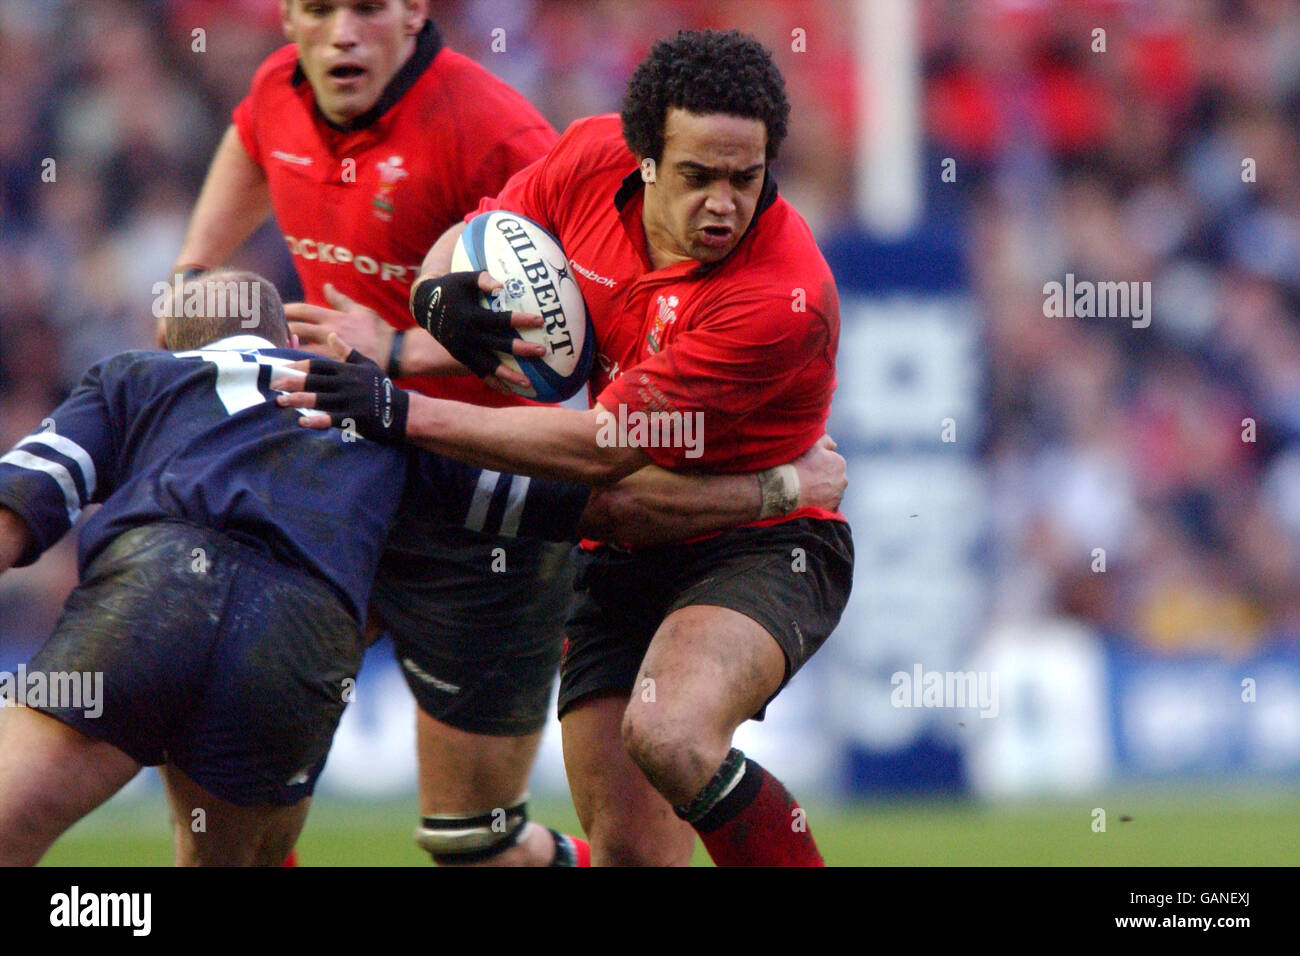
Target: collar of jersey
(427, 44)
(633, 182)
(240, 343)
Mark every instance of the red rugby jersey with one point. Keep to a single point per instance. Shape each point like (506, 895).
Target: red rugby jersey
(361, 208)
(749, 341)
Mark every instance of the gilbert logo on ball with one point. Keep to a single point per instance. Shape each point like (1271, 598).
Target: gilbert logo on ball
(535, 277)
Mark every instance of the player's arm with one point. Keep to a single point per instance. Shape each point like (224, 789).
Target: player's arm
(53, 473)
(486, 157)
(651, 506)
(545, 442)
(558, 443)
(15, 539)
(541, 441)
(740, 358)
(554, 443)
(437, 261)
(233, 202)
(416, 352)
(447, 304)
(656, 505)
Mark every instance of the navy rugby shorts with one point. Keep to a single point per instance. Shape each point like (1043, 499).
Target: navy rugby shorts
(477, 622)
(216, 659)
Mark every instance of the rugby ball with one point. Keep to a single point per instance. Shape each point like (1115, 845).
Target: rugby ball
(535, 277)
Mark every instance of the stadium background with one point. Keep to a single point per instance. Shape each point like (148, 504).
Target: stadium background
(992, 449)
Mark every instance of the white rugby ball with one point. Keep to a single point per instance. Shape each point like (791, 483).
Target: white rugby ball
(535, 277)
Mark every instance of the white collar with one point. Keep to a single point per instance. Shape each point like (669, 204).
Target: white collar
(240, 343)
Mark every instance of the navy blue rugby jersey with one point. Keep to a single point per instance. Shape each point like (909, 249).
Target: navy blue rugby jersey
(195, 437)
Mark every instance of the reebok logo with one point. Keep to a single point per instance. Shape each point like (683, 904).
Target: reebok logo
(592, 276)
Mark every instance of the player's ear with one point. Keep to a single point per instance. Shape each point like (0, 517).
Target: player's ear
(417, 11)
(285, 23)
(647, 170)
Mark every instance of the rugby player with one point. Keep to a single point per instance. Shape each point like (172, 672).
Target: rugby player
(223, 585)
(367, 138)
(708, 296)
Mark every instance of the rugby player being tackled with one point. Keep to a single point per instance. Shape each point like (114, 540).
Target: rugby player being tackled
(708, 298)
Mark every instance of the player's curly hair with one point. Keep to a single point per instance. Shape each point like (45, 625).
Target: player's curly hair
(703, 71)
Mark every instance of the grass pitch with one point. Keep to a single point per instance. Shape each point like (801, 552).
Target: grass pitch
(1198, 828)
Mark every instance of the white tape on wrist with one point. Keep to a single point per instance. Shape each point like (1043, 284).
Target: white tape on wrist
(780, 489)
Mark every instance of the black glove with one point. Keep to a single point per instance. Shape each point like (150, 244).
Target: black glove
(360, 391)
(451, 309)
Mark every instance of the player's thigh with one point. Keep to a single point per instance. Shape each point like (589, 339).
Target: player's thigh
(707, 670)
(477, 627)
(210, 831)
(760, 603)
(464, 772)
(626, 820)
(50, 777)
(275, 685)
(710, 669)
(718, 626)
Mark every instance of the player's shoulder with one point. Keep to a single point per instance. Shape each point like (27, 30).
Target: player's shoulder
(455, 74)
(454, 93)
(281, 352)
(595, 143)
(138, 364)
(276, 71)
(131, 373)
(780, 254)
(602, 133)
(122, 363)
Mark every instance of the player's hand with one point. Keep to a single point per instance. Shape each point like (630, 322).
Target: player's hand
(450, 307)
(823, 475)
(354, 394)
(351, 321)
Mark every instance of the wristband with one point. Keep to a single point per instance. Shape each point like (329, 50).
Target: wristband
(780, 489)
(426, 304)
(394, 369)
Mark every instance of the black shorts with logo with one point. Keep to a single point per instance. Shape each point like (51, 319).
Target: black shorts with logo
(477, 622)
(217, 659)
(793, 578)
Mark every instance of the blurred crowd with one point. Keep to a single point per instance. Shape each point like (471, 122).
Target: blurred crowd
(1173, 448)
(1146, 480)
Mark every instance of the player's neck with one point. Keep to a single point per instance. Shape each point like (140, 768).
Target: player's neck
(659, 244)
